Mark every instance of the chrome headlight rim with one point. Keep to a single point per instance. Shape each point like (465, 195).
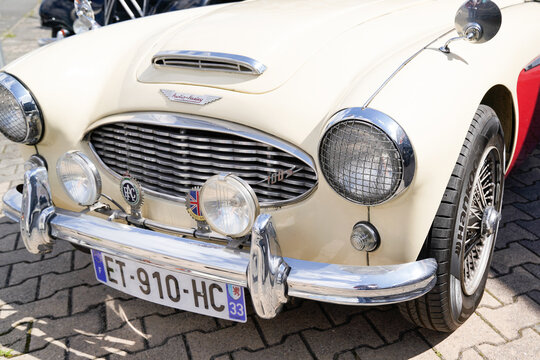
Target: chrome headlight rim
(92, 170)
(392, 130)
(28, 106)
(246, 189)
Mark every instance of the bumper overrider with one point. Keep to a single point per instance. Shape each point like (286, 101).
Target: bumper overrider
(270, 278)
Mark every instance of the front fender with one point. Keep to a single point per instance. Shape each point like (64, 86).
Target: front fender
(434, 98)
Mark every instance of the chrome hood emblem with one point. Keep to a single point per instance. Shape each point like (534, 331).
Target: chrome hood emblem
(189, 98)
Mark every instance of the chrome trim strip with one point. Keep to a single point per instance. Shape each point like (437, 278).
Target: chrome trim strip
(391, 128)
(29, 107)
(339, 284)
(533, 64)
(238, 61)
(209, 124)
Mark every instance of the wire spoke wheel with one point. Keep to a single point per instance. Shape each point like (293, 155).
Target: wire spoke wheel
(482, 221)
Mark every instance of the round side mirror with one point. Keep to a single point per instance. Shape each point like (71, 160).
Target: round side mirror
(478, 20)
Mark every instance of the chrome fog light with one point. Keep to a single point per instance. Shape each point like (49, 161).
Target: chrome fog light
(365, 237)
(229, 205)
(79, 178)
(20, 118)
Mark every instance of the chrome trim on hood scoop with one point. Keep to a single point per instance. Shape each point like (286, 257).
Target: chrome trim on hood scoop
(205, 60)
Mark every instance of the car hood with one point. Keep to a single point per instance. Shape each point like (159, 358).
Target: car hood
(284, 35)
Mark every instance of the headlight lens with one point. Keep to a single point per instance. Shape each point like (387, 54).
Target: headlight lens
(79, 177)
(229, 205)
(361, 161)
(20, 118)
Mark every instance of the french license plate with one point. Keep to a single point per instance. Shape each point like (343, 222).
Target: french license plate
(170, 288)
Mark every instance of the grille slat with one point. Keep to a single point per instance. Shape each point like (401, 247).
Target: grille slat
(172, 160)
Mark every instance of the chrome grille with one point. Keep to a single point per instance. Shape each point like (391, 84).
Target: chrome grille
(169, 160)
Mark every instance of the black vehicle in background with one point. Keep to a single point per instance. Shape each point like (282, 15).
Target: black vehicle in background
(61, 17)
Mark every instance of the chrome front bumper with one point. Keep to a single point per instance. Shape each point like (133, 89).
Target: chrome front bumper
(270, 277)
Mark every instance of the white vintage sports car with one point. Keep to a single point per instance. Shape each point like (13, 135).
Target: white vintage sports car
(350, 151)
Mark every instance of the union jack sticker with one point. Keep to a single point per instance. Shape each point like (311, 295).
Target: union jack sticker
(193, 204)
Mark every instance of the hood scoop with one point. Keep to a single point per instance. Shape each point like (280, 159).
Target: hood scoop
(205, 60)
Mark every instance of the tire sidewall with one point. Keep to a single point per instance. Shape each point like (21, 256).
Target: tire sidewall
(489, 136)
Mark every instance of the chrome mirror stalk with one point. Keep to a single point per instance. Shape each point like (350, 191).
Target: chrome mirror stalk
(477, 22)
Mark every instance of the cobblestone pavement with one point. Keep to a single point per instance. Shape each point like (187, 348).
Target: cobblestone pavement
(51, 307)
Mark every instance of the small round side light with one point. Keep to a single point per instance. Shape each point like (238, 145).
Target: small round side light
(365, 237)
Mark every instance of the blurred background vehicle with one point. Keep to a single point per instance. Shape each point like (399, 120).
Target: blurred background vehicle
(61, 16)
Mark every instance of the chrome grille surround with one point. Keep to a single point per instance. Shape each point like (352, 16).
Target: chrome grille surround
(366, 157)
(206, 60)
(203, 147)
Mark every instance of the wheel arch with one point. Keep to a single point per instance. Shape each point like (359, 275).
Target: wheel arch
(500, 99)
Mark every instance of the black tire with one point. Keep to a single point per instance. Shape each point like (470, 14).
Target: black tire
(461, 278)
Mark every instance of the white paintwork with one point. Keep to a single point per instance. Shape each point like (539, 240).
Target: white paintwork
(321, 57)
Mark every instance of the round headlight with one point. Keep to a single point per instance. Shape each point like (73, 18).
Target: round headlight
(229, 205)
(20, 118)
(366, 157)
(79, 178)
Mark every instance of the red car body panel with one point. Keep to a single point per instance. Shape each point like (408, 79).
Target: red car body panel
(528, 91)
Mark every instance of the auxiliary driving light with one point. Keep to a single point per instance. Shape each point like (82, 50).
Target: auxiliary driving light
(365, 237)
(79, 178)
(229, 205)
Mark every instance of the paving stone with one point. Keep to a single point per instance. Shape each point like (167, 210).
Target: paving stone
(535, 296)
(472, 332)
(44, 329)
(511, 213)
(8, 241)
(526, 347)
(159, 328)
(357, 332)
(21, 271)
(511, 197)
(82, 260)
(471, 354)
(242, 335)
(530, 193)
(15, 337)
(50, 283)
(489, 300)
(174, 349)
(308, 315)
(390, 330)
(533, 269)
(119, 311)
(55, 349)
(121, 342)
(512, 183)
(19, 256)
(411, 347)
(528, 164)
(509, 319)
(512, 232)
(340, 314)
(59, 247)
(532, 245)
(22, 293)
(531, 207)
(347, 355)
(507, 287)
(84, 296)
(292, 348)
(516, 254)
(4, 270)
(55, 306)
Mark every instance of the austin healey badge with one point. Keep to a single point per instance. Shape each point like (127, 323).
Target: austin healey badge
(189, 98)
(132, 192)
